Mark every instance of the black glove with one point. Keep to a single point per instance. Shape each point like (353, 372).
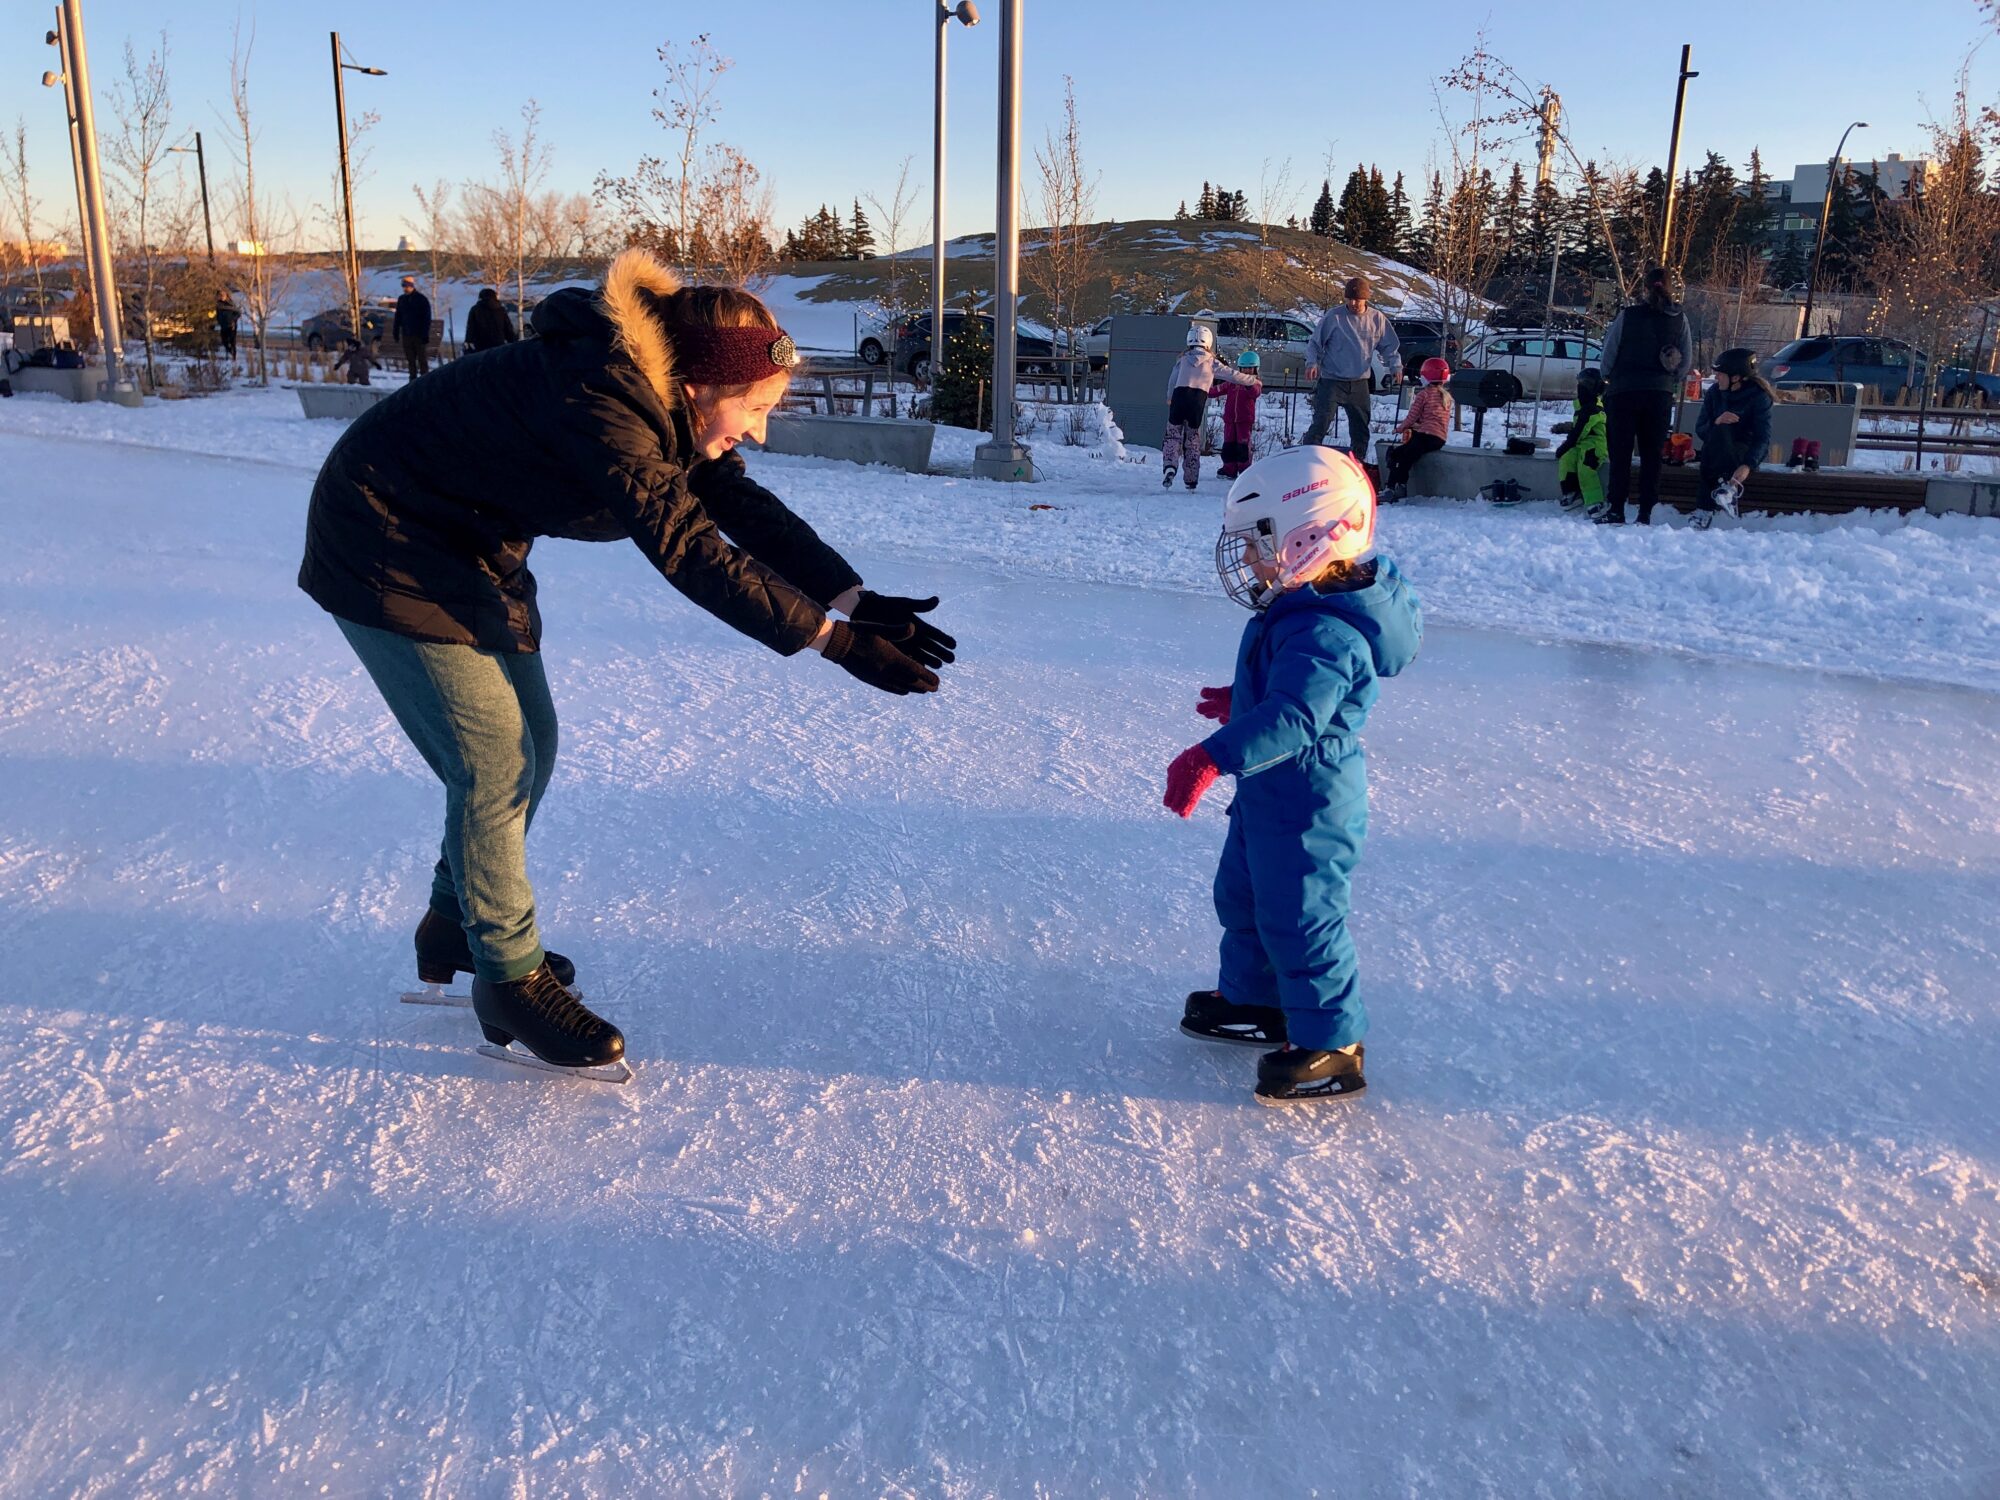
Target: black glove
(878, 655)
(925, 643)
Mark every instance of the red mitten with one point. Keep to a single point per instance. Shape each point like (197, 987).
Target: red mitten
(1191, 774)
(1214, 704)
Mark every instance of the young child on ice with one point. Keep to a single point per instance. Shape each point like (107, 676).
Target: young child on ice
(1298, 547)
(357, 362)
(1188, 389)
(1425, 426)
(1580, 459)
(1239, 415)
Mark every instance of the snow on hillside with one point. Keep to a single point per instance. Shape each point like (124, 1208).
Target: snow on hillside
(1676, 1177)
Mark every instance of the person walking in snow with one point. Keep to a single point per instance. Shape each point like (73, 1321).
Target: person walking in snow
(227, 316)
(1647, 349)
(1239, 416)
(620, 420)
(1332, 619)
(487, 326)
(1734, 427)
(411, 327)
(1189, 385)
(1340, 359)
(1425, 426)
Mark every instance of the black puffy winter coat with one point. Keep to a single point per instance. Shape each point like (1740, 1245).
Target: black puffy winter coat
(487, 326)
(425, 510)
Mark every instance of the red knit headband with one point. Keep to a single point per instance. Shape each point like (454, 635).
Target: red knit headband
(730, 356)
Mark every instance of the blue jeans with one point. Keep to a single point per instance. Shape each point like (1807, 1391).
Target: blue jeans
(485, 725)
(1352, 396)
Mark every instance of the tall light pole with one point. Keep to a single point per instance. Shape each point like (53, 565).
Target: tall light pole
(1005, 457)
(49, 81)
(201, 166)
(347, 181)
(76, 75)
(1674, 152)
(966, 14)
(1825, 212)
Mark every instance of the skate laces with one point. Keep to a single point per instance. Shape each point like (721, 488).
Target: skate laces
(558, 1005)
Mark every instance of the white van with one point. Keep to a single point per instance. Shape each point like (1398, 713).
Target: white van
(1544, 362)
(1280, 341)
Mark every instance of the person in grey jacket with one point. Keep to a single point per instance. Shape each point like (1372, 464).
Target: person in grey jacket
(1648, 351)
(1338, 361)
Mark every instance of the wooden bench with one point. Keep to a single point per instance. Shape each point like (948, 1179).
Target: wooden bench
(1787, 492)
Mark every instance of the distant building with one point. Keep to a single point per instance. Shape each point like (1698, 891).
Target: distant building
(246, 247)
(35, 249)
(1797, 202)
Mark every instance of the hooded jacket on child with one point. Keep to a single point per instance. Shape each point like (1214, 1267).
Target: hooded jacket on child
(1306, 677)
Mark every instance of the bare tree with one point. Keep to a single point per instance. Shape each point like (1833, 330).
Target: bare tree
(143, 105)
(333, 216)
(703, 207)
(1065, 257)
(909, 287)
(21, 203)
(526, 223)
(265, 229)
(1275, 197)
(434, 225)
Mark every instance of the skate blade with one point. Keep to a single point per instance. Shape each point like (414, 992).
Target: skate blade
(436, 994)
(1339, 1088)
(615, 1072)
(1231, 1039)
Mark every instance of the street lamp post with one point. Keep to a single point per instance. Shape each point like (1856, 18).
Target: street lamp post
(90, 181)
(1005, 457)
(1825, 211)
(347, 181)
(1674, 152)
(49, 81)
(966, 14)
(201, 167)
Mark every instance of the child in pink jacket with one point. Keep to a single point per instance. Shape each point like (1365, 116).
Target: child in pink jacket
(1239, 416)
(1425, 426)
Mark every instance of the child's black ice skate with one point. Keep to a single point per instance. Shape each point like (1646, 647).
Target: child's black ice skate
(1167, 478)
(560, 1033)
(444, 952)
(1300, 1075)
(1210, 1018)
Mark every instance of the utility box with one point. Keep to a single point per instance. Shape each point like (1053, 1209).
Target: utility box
(1144, 348)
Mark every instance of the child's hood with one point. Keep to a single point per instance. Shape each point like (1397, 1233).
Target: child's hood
(1385, 614)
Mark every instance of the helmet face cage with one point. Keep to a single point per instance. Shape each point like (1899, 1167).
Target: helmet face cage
(1236, 556)
(1200, 336)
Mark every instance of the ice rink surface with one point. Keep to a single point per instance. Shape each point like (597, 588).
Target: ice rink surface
(1678, 1174)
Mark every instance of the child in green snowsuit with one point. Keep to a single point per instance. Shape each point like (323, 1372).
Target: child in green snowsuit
(1580, 459)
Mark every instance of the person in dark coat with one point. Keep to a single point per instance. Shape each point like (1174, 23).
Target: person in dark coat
(226, 318)
(1647, 351)
(411, 327)
(1734, 427)
(619, 421)
(487, 326)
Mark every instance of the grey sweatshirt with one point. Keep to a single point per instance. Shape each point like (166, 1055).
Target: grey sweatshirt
(1201, 370)
(1342, 344)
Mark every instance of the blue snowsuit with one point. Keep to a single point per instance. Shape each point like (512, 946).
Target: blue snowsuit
(1305, 679)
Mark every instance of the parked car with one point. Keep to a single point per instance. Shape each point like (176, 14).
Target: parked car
(1543, 362)
(1422, 339)
(1886, 366)
(332, 328)
(1033, 354)
(1280, 341)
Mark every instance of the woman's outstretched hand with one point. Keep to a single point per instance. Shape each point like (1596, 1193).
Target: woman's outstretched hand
(924, 642)
(879, 655)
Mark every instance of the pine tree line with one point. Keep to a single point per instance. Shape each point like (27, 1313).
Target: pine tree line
(1217, 204)
(821, 236)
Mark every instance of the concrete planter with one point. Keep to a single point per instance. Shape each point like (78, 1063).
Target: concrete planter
(71, 385)
(899, 443)
(1963, 497)
(344, 402)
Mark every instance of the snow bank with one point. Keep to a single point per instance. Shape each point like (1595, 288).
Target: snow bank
(1868, 593)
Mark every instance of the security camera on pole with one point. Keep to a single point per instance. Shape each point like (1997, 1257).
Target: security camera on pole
(1005, 457)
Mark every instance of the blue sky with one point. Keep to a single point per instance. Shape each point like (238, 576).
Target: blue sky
(829, 96)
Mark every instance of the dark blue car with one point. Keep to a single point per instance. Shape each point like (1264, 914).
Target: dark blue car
(1889, 366)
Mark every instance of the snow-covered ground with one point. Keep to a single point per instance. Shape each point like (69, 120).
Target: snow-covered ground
(1678, 1175)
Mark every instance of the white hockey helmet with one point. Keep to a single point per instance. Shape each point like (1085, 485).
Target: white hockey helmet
(1288, 516)
(1201, 336)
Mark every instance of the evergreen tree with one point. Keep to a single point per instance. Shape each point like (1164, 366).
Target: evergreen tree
(1204, 207)
(1423, 243)
(1239, 207)
(1350, 215)
(1789, 265)
(961, 395)
(1753, 217)
(1510, 222)
(836, 238)
(861, 236)
(1322, 220)
(1181, 212)
(1401, 232)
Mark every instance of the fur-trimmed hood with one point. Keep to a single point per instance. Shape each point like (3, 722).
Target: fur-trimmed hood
(633, 329)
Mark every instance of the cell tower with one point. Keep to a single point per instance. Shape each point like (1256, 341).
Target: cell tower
(1551, 112)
